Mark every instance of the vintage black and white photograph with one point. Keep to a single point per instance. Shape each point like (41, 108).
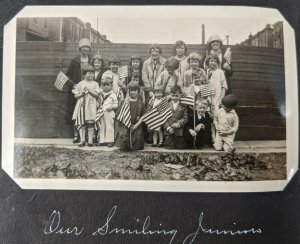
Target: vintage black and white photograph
(126, 96)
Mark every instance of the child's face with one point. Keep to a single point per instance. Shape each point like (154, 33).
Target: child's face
(85, 50)
(114, 67)
(135, 63)
(107, 86)
(227, 109)
(89, 75)
(170, 70)
(175, 97)
(97, 64)
(180, 50)
(215, 45)
(133, 93)
(135, 80)
(155, 53)
(198, 80)
(213, 63)
(158, 94)
(194, 63)
(201, 108)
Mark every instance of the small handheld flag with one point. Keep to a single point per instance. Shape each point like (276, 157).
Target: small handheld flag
(61, 80)
(123, 71)
(124, 115)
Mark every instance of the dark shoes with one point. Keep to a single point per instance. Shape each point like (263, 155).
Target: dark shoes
(154, 145)
(161, 144)
(110, 144)
(90, 144)
(76, 139)
(81, 144)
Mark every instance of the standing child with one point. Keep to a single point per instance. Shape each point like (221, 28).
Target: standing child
(169, 77)
(227, 123)
(158, 136)
(173, 128)
(199, 127)
(86, 93)
(194, 60)
(98, 64)
(217, 80)
(114, 64)
(109, 105)
(131, 135)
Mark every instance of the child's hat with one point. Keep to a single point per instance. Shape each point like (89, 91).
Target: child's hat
(155, 46)
(230, 101)
(106, 77)
(194, 56)
(202, 101)
(114, 59)
(213, 38)
(84, 42)
(172, 63)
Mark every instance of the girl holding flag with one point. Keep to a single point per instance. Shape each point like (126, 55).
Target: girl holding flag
(130, 134)
(86, 93)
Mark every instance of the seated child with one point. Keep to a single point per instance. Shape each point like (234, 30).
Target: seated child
(130, 134)
(173, 128)
(199, 128)
(158, 136)
(109, 105)
(86, 93)
(170, 76)
(227, 123)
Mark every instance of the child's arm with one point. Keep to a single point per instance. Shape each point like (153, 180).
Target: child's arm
(235, 126)
(223, 84)
(114, 103)
(180, 123)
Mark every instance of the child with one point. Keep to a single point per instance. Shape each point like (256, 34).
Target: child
(135, 77)
(169, 77)
(86, 93)
(217, 80)
(109, 105)
(180, 51)
(199, 125)
(98, 64)
(227, 123)
(135, 66)
(173, 128)
(158, 136)
(131, 135)
(114, 64)
(194, 59)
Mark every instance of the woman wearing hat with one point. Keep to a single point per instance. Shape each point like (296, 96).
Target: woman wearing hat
(74, 73)
(215, 44)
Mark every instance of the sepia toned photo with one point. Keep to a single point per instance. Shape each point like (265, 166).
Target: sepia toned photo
(151, 101)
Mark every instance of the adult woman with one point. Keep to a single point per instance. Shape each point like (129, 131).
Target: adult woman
(74, 73)
(215, 44)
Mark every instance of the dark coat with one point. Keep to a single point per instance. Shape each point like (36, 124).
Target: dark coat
(204, 135)
(74, 74)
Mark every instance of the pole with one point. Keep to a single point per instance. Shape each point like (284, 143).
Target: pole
(60, 30)
(194, 113)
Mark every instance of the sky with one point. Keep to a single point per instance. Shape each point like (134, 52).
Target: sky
(165, 24)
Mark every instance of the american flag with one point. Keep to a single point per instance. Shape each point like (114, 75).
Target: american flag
(187, 97)
(124, 115)
(99, 114)
(61, 80)
(80, 118)
(123, 71)
(158, 115)
(119, 93)
(206, 90)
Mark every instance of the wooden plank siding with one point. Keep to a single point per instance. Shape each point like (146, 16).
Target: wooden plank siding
(258, 82)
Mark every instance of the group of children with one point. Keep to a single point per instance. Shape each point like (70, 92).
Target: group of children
(114, 105)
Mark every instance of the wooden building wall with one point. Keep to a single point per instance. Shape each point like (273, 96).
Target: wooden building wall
(258, 82)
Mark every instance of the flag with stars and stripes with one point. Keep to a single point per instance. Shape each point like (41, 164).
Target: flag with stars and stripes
(207, 90)
(60, 81)
(187, 97)
(124, 115)
(99, 114)
(80, 118)
(158, 115)
(123, 71)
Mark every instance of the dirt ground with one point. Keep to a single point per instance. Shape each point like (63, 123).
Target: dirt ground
(51, 162)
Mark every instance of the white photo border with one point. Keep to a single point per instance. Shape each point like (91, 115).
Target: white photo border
(8, 105)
